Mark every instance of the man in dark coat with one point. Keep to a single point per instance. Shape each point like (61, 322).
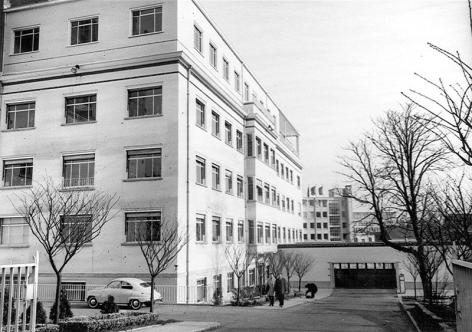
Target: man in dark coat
(311, 288)
(280, 288)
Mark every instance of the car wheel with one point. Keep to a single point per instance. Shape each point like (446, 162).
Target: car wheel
(135, 304)
(92, 302)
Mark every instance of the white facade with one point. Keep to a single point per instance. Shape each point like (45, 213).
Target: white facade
(327, 218)
(189, 69)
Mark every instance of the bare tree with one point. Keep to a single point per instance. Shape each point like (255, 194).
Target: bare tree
(302, 264)
(276, 263)
(288, 260)
(432, 262)
(239, 258)
(450, 233)
(160, 242)
(411, 268)
(390, 170)
(63, 222)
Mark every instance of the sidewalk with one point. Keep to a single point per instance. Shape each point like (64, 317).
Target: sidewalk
(292, 302)
(180, 327)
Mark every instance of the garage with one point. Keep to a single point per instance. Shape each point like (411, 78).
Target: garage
(365, 275)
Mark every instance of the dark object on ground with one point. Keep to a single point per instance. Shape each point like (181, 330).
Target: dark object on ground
(117, 321)
(271, 300)
(312, 289)
(64, 308)
(40, 314)
(109, 306)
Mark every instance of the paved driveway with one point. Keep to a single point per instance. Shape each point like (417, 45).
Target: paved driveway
(344, 310)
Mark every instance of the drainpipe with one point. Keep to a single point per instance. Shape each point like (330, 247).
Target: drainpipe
(187, 226)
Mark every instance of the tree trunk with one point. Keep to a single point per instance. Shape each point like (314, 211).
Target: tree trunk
(414, 286)
(58, 296)
(288, 284)
(151, 306)
(237, 296)
(425, 280)
(299, 284)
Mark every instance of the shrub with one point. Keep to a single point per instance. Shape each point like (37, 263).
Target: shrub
(247, 296)
(64, 308)
(108, 322)
(48, 328)
(40, 314)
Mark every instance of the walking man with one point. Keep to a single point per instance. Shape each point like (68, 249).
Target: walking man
(280, 288)
(270, 291)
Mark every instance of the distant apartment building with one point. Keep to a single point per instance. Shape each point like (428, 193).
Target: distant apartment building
(146, 99)
(364, 228)
(327, 218)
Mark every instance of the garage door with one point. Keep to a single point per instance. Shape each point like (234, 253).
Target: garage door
(365, 275)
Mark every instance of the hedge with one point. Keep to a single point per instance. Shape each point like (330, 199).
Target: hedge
(47, 328)
(108, 322)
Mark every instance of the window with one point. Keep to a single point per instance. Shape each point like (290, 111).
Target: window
(213, 56)
(278, 200)
(318, 214)
(201, 170)
(259, 191)
(78, 170)
(144, 163)
(17, 172)
(318, 236)
(75, 228)
(229, 230)
(200, 228)
(197, 39)
(325, 225)
(250, 188)
(267, 234)
(241, 231)
(259, 147)
(304, 225)
(225, 69)
(249, 145)
(13, 231)
(312, 236)
(143, 225)
(291, 176)
(266, 193)
(266, 153)
(230, 282)
(284, 234)
(286, 172)
(84, 31)
(325, 236)
(272, 158)
(246, 91)
(81, 109)
(282, 170)
(312, 225)
(216, 229)
(274, 233)
(289, 237)
(217, 284)
(20, 116)
(201, 289)
(325, 214)
(228, 133)
(239, 141)
(274, 197)
(145, 102)
(305, 236)
(318, 225)
(215, 124)
(229, 182)
(277, 166)
(237, 82)
(215, 176)
(298, 181)
(251, 231)
(239, 186)
(200, 114)
(252, 277)
(260, 231)
(26, 40)
(147, 20)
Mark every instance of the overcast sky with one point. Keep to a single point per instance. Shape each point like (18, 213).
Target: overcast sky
(332, 66)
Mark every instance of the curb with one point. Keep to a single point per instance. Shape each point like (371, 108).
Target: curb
(410, 317)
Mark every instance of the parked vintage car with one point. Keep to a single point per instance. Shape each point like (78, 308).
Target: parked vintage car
(126, 291)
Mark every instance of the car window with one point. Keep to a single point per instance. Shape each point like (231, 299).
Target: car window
(114, 284)
(145, 284)
(126, 285)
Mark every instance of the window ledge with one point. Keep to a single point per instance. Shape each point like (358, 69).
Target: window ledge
(229, 144)
(200, 242)
(17, 129)
(15, 187)
(22, 53)
(77, 189)
(216, 189)
(143, 117)
(216, 136)
(131, 244)
(142, 179)
(201, 184)
(20, 245)
(78, 123)
(146, 34)
(201, 127)
(83, 44)
(229, 193)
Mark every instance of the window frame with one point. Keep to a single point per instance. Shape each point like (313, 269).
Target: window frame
(91, 108)
(200, 232)
(5, 230)
(228, 133)
(138, 98)
(215, 177)
(9, 105)
(239, 141)
(216, 236)
(200, 39)
(149, 213)
(202, 111)
(21, 29)
(213, 55)
(79, 19)
(68, 159)
(202, 170)
(19, 161)
(225, 69)
(154, 7)
(215, 124)
(140, 151)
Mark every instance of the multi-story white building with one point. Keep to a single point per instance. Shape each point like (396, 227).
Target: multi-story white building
(145, 99)
(364, 227)
(327, 218)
